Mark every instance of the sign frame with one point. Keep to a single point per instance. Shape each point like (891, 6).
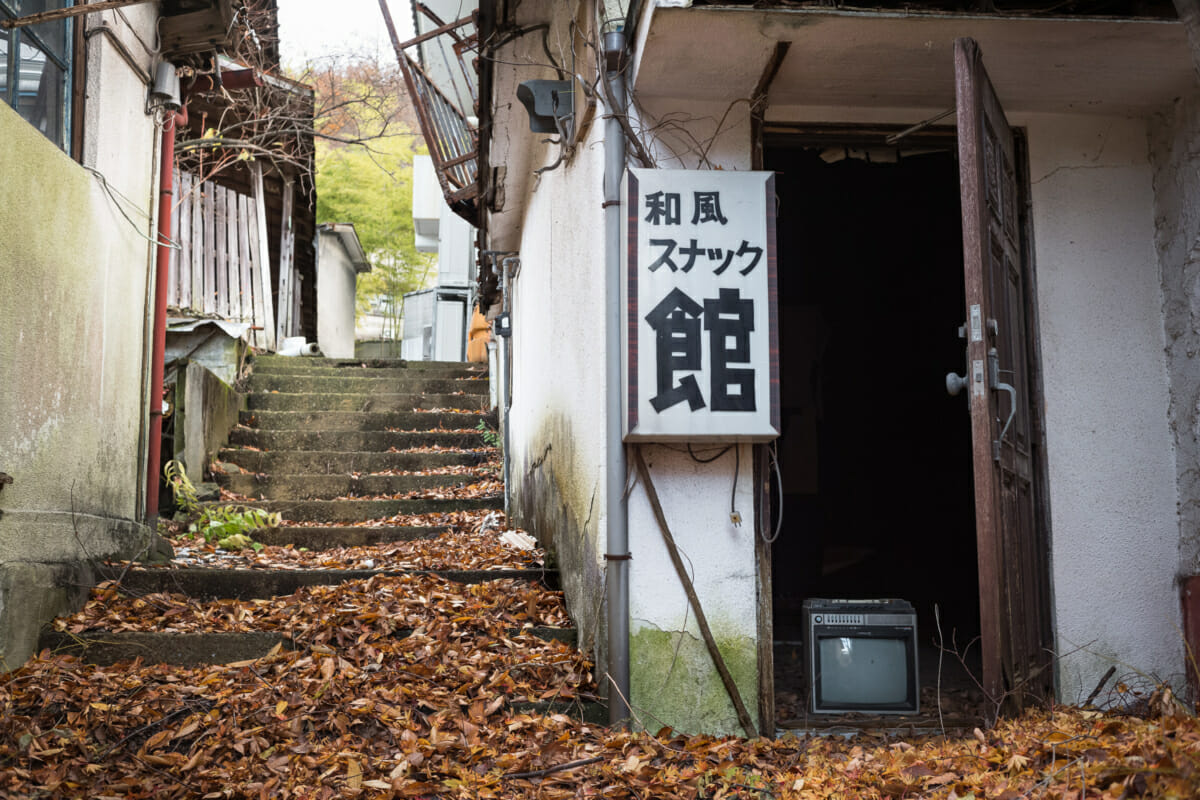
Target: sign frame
(748, 198)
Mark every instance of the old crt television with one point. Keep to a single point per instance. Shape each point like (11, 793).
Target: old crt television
(861, 656)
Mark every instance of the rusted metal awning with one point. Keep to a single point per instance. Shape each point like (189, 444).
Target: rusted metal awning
(450, 134)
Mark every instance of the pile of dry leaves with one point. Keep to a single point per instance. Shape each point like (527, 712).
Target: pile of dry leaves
(413, 686)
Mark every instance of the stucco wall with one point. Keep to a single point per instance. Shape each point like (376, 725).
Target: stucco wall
(1114, 534)
(1174, 149)
(336, 281)
(558, 384)
(673, 680)
(73, 297)
(558, 429)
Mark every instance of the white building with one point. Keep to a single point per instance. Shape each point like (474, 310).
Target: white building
(436, 320)
(1062, 239)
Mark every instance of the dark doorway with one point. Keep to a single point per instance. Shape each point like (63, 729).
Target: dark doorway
(875, 455)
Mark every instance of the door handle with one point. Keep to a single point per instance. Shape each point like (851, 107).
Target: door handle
(997, 384)
(955, 383)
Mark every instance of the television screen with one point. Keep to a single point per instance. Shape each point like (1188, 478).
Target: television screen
(861, 656)
(858, 671)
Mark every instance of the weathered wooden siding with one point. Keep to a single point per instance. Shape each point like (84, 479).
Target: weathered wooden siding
(218, 268)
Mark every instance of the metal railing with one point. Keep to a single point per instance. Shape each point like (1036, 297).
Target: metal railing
(451, 136)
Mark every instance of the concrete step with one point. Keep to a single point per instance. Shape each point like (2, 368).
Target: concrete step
(284, 364)
(259, 584)
(327, 538)
(350, 441)
(354, 371)
(275, 486)
(358, 421)
(416, 383)
(307, 462)
(379, 403)
(106, 648)
(334, 511)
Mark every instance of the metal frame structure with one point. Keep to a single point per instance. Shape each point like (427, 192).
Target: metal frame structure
(452, 138)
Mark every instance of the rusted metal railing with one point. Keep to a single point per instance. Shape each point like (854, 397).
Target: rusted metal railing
(450, 134)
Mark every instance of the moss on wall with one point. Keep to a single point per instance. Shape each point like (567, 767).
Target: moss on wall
(206, 410)
(675, 683)
(560, 501)
(73, 280)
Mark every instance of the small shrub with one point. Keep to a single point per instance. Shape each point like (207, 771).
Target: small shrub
(226, 526)
(491, 437)
(230, 526)
(182, 487)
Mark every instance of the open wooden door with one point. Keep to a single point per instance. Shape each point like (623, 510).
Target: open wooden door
(1013, 562)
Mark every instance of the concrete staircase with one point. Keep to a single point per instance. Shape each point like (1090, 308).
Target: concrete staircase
(309, 446)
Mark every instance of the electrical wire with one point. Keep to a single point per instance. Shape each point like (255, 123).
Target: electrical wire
(737, 467)
(115, 197)
(779, 488)
(700, 460)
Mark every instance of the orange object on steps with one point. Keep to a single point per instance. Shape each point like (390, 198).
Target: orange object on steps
(477, 338)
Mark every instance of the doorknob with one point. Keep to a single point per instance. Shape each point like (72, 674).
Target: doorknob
(955, 383)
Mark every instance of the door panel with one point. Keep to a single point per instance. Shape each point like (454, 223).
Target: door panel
(1013, 573)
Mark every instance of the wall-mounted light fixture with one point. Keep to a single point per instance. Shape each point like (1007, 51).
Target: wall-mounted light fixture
(550, 105)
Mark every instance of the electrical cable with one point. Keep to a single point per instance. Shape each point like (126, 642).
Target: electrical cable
(779, 488)
(700, 460)
(116, 197)
(737, 467)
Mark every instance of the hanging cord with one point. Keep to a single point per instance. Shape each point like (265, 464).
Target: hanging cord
(700, 460)
(779, 487)
(690, 590)
(734, 516)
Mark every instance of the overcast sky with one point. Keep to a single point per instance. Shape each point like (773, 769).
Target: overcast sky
(310, 29)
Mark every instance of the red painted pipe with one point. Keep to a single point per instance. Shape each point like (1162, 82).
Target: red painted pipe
(166, 195)
(234, 79)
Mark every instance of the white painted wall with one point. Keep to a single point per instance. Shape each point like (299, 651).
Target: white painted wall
(336, 282)
(557, 436)
(427, 204)
(1114, 530)
(558, 379)
(456, 249)
(674, 681)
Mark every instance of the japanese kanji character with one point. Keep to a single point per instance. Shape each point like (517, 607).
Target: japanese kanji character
(664, 208)
(707, 208)
(676, 324)
(668, 246)
(729, 321)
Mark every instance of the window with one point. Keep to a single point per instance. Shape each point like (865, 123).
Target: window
(34, 67)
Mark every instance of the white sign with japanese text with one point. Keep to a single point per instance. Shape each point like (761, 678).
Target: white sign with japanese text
(701, 343)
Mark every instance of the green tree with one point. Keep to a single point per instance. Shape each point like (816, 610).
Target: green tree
(371, 187)
(365, 145)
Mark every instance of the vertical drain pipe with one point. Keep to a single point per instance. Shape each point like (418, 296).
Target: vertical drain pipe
(616, 509)
(505, 403)
(162, 264)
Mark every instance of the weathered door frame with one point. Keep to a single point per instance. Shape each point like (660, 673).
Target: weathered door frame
(814, 134)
